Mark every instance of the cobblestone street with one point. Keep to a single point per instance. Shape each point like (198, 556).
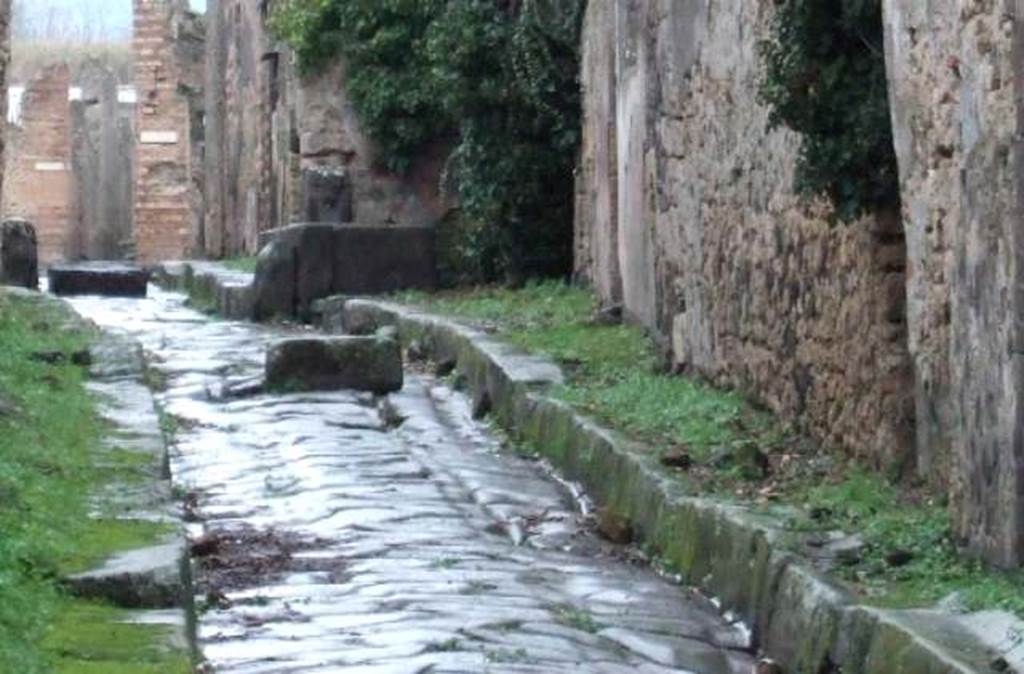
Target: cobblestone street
(341, 533)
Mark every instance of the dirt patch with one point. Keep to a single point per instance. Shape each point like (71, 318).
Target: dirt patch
(245, 557)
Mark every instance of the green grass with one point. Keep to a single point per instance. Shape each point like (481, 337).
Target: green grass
(51, 454)
(246, 264)
(613, 375)
(576, 618)
(90, 638)
(100, 538)
(891, 527)
(613, 371)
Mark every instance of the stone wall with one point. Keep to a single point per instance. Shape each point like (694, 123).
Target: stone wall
(955, 76)
(249, 165)
(103, 147)
(169, 51)
(267, 128)
(5, 61)
(687, 216)
(38, 185)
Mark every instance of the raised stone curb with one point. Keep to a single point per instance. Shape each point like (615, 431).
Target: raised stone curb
(159, 576)
(799, 617)
(211, 286)
(154, 577)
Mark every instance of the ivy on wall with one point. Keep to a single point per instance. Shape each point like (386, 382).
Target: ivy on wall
(499, 77)
(825, 79)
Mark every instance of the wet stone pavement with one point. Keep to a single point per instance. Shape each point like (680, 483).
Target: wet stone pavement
(341, 533)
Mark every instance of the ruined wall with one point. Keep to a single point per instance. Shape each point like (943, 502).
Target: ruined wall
(103, 146)
(5, 62)
(955, 77)
(331, 138)
(38, 185)
(688, 217)
(169, 53)
(249, 125)
(267, 128)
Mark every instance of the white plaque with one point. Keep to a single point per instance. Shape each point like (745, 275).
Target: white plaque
(50, 166)
(159, 137)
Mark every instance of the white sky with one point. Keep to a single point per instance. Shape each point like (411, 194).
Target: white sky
(111, 18)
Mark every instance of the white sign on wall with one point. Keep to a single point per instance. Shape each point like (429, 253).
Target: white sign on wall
(158, 137)
(50, 166)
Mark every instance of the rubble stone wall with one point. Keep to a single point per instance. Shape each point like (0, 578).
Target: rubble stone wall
(267, 126)
(898, 337)
(5, 61)
(688, 217)
(955, 78)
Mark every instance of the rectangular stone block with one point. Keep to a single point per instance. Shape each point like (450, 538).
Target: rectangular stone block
(307, 262)
(19, 255)
(99, 278)
(332, 363)
(326, 196)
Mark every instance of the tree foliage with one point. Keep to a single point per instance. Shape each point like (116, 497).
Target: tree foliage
(825, 78)
(497, 76)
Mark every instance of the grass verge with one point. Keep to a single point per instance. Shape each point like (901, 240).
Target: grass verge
(721, 444)
(50, 447)
(246, 264)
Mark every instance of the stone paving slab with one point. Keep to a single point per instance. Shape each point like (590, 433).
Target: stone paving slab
(339, 543)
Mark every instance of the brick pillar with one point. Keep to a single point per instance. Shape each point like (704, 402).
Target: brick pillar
(164, 218)
(38, 186)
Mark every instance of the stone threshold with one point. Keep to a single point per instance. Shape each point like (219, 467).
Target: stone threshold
(799, 617)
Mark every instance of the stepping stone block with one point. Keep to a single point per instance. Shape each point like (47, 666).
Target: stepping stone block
(371, 363)
(99, 278)
(19, 256)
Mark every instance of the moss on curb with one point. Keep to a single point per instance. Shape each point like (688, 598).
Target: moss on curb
(53, 465)
(732, 552)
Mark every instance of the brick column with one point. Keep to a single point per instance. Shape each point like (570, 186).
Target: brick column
(38, 186)
(163, 213)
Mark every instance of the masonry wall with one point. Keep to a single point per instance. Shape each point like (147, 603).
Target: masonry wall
(955, 80)
(249, 154)
(266, 127)
(103, 148)
(687, 216)
(169, 50)
(38, 184)
(5, 61)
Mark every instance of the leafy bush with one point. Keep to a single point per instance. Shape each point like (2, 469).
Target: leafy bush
(825, 78)
(497, 76)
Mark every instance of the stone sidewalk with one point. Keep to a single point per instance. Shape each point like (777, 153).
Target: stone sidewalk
(336, 534)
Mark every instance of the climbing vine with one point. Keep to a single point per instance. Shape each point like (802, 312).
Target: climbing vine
(498, 78)
(825, 78)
